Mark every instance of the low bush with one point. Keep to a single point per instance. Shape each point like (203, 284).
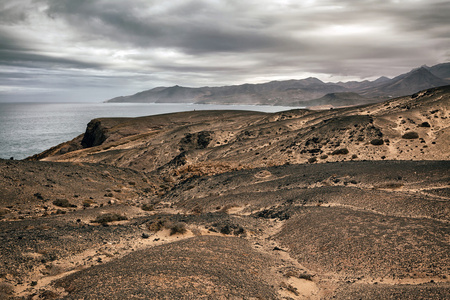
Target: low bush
(109, 217)
(156, 226)
(410, 135)
(290, 288)
(88, 203)
(340, 151)
(177, 228)
(425, 124)
(305, 276)
(63, 203)
(3, 212)
(312, 160)
(6, 290)
(377, 142)
(148, 207)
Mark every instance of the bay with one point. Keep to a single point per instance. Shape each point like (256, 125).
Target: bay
(30, 128)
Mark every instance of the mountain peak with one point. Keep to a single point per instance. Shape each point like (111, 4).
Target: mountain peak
(313, 80)
(423, 68)
(381, 79)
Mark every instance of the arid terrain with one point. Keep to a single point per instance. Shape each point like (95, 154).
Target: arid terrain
(349, 203)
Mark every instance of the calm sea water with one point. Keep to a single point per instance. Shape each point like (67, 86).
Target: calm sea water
(30, 128)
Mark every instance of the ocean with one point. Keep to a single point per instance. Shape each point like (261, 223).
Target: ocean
(30, 128)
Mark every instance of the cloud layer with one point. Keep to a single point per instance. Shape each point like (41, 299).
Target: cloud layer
(91, 50)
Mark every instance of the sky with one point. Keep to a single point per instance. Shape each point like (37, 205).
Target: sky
(94, 50)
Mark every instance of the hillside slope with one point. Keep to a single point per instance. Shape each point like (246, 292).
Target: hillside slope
(337, 204)
(217, 141)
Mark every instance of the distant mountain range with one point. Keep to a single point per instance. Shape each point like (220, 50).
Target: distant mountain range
(307, 92)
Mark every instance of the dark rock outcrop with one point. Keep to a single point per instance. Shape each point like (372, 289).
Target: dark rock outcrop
(95, 134)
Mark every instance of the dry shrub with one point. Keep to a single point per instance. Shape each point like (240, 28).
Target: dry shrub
(176, 228)
(88, 203)
(109, 217)
(425, 124)
(46, 294)
(390, 185)
(63, 203)
(290, 288)
(6, 290)
(202, 169)
(312, 160)
(410, 135)
(290, 274)
(156, 226)
(305, 276)
(227, 207)
(3, 212)
(340, 151)
(148, 207)
(197, 210)
(377, 142)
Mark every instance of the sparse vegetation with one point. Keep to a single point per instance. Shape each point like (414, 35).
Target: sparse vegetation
(225, 229)
(49, 295)
(305, 276)
(6, 290)
(391, 185)
(229, 228)
(39, 196)
(290, 288)
(109, 217)
(176, 228)
(63, 203)
(148, 207)
(341, 151)
(156, 226)
(312, 160)
(377, 142)
(425, 124)
(88, 203)
(3, 212)
(410, 135)
(197, 210)
(227, 207)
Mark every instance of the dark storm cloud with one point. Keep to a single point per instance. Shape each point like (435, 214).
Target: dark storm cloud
(198, 27)
(217, 42)
(12, 13)
(194, 26)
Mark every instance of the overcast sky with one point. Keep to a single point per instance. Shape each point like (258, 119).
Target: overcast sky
(93, 50)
